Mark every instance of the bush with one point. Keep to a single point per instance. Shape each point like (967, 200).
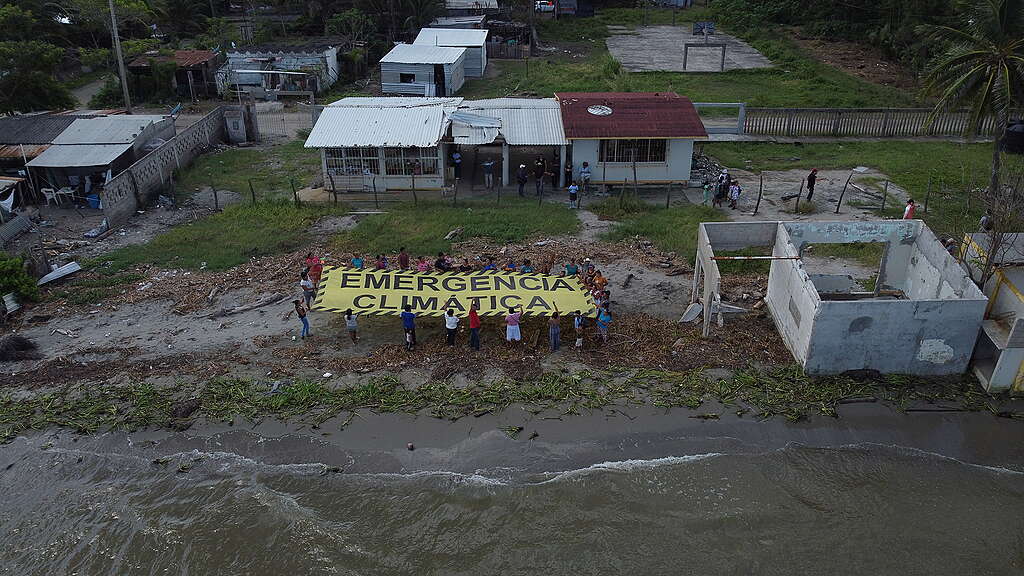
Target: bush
(14, 278)
(109, 96)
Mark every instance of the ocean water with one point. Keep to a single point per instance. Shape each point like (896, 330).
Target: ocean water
(241, 504)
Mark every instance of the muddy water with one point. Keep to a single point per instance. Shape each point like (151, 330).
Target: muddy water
(237, 503)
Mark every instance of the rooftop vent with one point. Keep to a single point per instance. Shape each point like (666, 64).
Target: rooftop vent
(599, 110)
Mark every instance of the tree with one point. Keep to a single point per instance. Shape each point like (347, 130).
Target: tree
(982, 70)
(27, 66)
(181, 18)
(420, 13)
(354, 25)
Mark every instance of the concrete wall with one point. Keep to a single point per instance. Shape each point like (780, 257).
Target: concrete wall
(900, 234)
(925, 337)
(136, 186)
(678, 156)
(791, 298)
(932, 274)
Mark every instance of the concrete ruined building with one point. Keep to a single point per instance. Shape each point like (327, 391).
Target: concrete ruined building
(999, 355)
(922, 316)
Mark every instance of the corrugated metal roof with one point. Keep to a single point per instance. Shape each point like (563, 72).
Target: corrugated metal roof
(70, 155)
(33, 129)
(422, 54)
(459, 21)
(470, 4)
(353, 126)
(451, 37)
(106, 130)
(395, 101)
(631, 115)
(15, 150)
(183, 58)
(524, 121)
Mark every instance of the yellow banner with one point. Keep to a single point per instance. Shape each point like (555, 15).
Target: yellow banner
(387, 292)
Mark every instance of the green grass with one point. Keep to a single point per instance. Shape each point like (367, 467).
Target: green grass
(271, 170)
(223, 240)
(796, 80)
(94, 289)
(421, 228)
(910, 165)
(620, 207)
(673, 229)
(865, 253)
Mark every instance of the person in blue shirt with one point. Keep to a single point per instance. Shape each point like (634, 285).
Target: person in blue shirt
(357, 261)
(604, 320)
(409, 324)
(490, 264)
(526, 266)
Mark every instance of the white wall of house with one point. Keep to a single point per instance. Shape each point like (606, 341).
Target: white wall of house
(385, 182)
(423, 83)
(676, 168)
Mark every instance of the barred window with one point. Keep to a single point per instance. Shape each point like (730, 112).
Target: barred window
(404, 161)
(632, 151)
(352, 161)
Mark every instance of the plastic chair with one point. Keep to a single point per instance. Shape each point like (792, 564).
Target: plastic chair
(50, 195)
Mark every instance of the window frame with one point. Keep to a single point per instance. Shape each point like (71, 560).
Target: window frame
(619, 149)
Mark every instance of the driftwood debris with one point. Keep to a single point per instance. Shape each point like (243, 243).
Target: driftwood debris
(452, 234)
(275, 299)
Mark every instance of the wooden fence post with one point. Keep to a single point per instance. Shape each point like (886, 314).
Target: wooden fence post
(885, 194)
(841, 194)
(760, 191)
(295, 193)
(927, 193)
(252, 191)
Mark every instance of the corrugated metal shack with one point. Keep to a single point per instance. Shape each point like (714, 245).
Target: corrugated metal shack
(318, 59)
(422, 70)
(474, 41)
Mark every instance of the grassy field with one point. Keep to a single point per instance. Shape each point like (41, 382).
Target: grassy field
(797, 79)
(223, 240)
(950, 167)
(421, 228)
(270, 168)
(672, 229)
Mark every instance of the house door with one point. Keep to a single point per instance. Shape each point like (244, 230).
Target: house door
(439, 85)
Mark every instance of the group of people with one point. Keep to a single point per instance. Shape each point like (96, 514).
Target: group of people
(585, 271)
(726, 187)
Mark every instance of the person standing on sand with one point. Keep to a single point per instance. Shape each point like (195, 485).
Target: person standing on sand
(409, 324)
(604, 321)
(554, 331)
(474, 327)
(707, 193)
(308, 290)
(812, 179)
(522, 177)
(578, 322)
(351, 325)
(908, 212)
(403, 259)
(574, 195)
(315, 267)
(734, 194)
(512, 332)
(300, 311)
(451, 326)
(585, 176)
(540, 168)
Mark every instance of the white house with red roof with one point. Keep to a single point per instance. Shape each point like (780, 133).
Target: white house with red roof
(648, 136)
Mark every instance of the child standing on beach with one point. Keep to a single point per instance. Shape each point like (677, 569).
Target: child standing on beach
(574, 195)
(300, 311)
(512, 332)
(409, 325)
(351, 325)
(577, 324)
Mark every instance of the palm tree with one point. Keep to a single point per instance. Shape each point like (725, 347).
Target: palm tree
(982, 70)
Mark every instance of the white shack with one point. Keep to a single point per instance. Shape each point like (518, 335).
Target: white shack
(474, 41)
(383, 143)
(422, 70)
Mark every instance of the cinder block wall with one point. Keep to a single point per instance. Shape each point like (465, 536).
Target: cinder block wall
(142, 181)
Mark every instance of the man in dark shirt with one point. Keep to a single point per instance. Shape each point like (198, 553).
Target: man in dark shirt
(409, 324)
(539, 169)
(812, 178)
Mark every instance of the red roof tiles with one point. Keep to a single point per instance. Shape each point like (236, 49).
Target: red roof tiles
(633, 115)
(183, 58)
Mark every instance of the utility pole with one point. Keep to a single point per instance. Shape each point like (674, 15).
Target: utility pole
(120, 57)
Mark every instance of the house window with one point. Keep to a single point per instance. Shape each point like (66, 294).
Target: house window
(407, 78)
(352, 161)
(403, 161)
(629, 151)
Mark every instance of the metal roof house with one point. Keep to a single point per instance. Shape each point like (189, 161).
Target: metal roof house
(476, 21)
(422, 70)
(474, 41)
(470, 7)
(25, 136)
(194, 74)
(89, 147)
(616, 131)
(307, 67)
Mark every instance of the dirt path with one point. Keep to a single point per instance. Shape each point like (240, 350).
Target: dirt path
(83, 94)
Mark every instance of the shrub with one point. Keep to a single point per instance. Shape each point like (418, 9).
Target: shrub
(14, 278)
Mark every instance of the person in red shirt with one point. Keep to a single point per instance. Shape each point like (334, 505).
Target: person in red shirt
(908, 212)
(403, 260)
(474, 328)
(315, 268)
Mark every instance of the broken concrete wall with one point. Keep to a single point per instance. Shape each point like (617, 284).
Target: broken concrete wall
(932, 274)
(900, 234)
(926, 337)
(791, 298)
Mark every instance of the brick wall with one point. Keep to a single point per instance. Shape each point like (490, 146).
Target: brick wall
(139, 184)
